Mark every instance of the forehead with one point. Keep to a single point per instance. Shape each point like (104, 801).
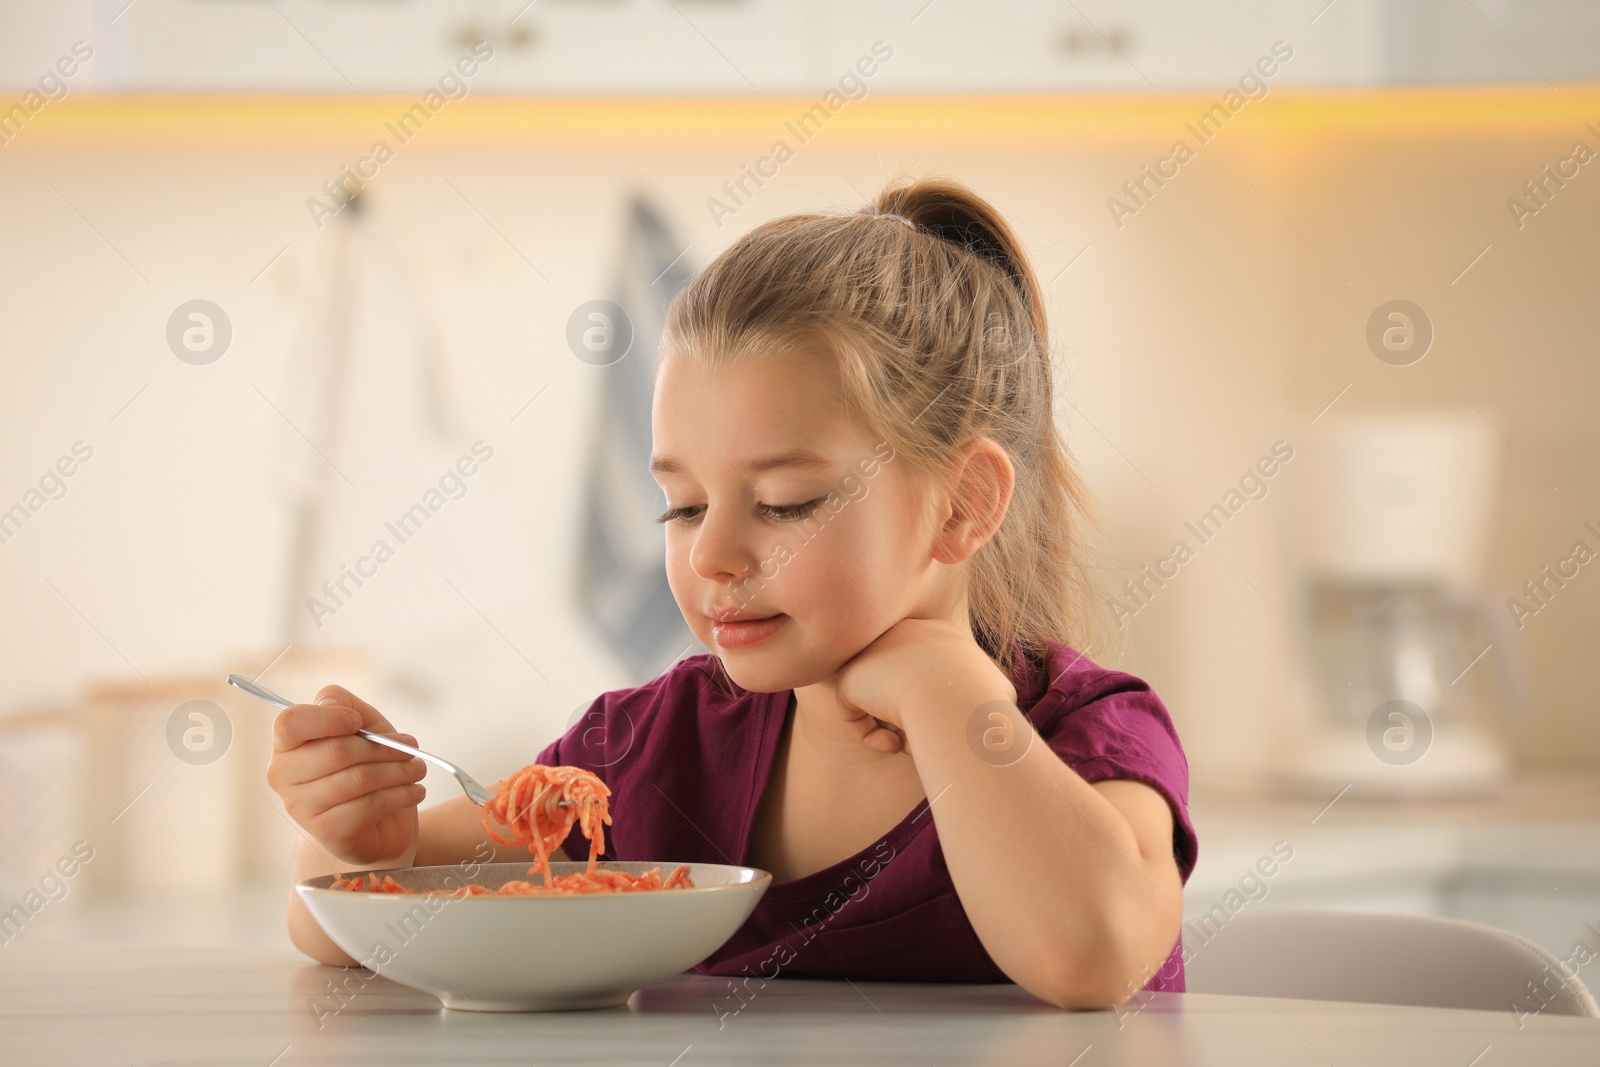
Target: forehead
(748, 408)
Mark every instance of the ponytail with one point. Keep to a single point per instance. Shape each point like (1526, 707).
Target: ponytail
(950, 212)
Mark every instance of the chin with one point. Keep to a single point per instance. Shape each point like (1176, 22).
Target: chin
(760, 671)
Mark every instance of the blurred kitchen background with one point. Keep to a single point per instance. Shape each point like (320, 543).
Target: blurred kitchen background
(1340, 347)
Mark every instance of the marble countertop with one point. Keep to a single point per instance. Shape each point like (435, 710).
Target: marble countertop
(66, 1003)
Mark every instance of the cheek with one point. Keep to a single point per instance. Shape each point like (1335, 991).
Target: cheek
(681, 577)
(852, 573)
(811, 584)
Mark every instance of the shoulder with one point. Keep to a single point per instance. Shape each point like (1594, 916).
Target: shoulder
(1108, 709)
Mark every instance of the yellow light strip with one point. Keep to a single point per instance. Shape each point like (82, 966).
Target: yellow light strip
(506, 120)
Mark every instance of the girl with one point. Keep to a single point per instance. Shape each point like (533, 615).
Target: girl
(872, 522)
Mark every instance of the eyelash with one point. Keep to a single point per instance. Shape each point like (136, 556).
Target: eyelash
(777, 512)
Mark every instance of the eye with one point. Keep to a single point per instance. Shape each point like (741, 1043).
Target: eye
(777, 512)
(684, 515)
(789, 512)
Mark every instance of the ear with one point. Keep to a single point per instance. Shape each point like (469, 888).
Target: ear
(979, 495)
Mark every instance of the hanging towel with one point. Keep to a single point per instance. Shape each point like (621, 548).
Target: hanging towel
(622, 576)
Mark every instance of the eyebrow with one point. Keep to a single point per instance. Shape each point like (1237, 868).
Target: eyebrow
(796, 457)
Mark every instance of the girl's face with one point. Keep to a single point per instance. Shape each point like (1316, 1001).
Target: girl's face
(784, 512)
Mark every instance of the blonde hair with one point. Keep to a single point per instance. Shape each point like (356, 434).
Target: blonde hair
(928, 303)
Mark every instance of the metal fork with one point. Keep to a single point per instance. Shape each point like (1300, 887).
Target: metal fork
(469, 784)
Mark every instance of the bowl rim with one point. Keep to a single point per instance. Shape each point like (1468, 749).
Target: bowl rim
(762, 878)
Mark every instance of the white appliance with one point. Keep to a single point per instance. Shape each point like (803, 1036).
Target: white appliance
(1412, 670)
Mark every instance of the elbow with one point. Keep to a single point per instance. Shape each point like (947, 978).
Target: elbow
(1090, 988)
(1099, 972)
(1100, 953)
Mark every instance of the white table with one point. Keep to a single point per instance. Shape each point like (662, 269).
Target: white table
(66, 1003)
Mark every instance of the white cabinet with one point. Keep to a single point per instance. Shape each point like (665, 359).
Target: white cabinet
(741, 47)
(564, 46)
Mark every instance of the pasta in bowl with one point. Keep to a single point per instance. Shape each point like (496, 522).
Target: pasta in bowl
(555, 936)
(494, 951)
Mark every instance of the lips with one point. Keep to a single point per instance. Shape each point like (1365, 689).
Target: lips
(735, 615)
(741, 629)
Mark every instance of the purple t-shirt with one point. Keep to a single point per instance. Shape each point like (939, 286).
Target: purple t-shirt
(687, 755)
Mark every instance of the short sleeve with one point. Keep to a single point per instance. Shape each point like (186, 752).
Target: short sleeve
(1112, 725)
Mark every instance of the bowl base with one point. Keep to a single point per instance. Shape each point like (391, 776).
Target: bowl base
(457, 1002)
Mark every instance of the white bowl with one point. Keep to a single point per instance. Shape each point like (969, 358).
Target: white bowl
(535, 953)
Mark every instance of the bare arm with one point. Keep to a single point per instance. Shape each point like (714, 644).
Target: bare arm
(1074, 891)
(306, 934)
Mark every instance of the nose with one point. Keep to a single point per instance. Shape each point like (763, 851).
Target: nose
(720, 552)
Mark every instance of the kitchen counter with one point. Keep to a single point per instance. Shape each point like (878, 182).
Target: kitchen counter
(1525, 858)
(67, 1003)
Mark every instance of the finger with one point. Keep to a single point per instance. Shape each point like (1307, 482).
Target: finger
(300, 723)
(318, 759)
(885, 738)
(864, 727)
(368, 809)
(371, 717)
(318, 798)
